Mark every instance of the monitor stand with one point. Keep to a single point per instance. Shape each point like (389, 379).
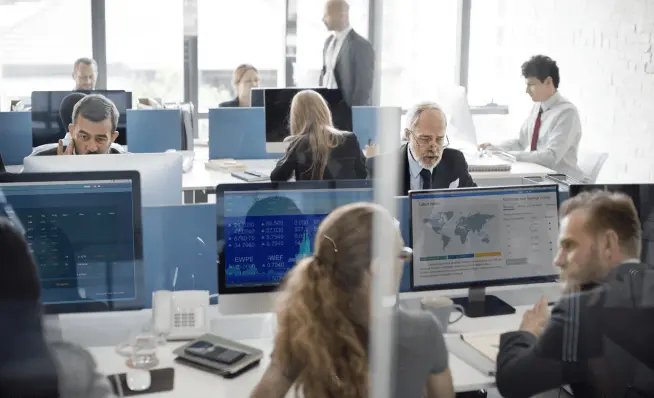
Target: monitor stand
(478, 304)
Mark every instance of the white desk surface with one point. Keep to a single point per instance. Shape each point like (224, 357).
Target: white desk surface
(199, 178)
(191, 382)
(197, 383)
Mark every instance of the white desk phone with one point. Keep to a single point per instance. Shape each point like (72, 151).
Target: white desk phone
(181, 315)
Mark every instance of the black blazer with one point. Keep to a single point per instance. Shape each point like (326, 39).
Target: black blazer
(346, 162)
(354, 69)
(229, 104)
(598, 341)
(453, 165)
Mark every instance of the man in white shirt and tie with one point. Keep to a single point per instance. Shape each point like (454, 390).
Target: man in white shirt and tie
(348, 58)
(551, 134)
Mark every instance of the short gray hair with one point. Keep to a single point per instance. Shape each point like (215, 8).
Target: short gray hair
(85, 61)
(96, 108)
(413, 114)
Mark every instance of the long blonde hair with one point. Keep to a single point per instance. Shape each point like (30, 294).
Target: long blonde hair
(311, 117)
(324, 308)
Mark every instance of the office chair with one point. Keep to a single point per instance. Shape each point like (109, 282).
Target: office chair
(591, 163)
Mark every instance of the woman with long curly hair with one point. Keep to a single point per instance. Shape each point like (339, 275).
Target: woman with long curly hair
(321, 345)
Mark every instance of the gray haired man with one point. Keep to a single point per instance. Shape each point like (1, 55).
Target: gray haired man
(424, 160)
(85, 73)
(92, 131)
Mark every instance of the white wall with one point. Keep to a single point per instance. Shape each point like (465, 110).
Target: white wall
(604, 50)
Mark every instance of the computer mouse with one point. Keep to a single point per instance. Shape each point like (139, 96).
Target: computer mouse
(138, 380)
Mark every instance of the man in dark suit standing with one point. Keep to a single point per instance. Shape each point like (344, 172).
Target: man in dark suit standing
(425, 161)
(348, 58)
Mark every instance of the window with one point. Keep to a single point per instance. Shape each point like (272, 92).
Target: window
(311, 35)
(488, 67)
(231, 33)
(145, 50)
(418, 50)
(30, 58)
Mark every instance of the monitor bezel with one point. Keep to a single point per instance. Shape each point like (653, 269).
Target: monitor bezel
(476, 284)
(127, 305)
(266, 186)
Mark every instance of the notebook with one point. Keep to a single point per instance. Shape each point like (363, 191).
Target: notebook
(251, 176)
(488, 163)
(487, 344)
(226, 165)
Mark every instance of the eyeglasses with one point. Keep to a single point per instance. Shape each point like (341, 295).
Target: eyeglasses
(425, 140)
(406, 254)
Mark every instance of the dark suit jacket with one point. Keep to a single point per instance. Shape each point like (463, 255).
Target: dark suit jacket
(354, 69)
(229, 104)
(453, 165)
(346, 162)
(598, 341)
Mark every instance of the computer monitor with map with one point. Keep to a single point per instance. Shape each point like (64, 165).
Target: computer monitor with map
(264, 229)
(480, 237)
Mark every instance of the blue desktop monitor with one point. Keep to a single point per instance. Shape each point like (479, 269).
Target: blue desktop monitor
(84, 230)
(265, 228)
(47, 127)
(480, 237)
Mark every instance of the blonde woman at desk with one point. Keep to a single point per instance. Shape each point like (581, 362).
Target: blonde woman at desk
(317, 150)
(321, 346)
(246, 77)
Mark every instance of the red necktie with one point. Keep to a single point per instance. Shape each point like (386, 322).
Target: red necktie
(534, 137)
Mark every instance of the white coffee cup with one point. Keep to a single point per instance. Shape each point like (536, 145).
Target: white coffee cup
(441, 308)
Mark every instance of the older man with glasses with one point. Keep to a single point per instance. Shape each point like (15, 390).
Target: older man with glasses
(426, 161)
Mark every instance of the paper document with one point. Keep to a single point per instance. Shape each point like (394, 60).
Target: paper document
(488, 344)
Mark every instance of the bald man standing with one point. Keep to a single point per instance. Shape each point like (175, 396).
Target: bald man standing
(348, 58)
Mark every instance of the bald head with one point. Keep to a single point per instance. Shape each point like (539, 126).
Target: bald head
(336, 15)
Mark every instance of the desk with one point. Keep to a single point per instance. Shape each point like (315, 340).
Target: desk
(191, 382)
(199, 182)
(257, 331)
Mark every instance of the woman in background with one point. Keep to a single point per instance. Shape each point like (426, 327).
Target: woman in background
(246, 77)
(317, 150)
(31, 367)
(321, 345)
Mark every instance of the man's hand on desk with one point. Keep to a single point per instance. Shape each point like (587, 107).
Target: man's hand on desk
(535, 319)
(484, 146)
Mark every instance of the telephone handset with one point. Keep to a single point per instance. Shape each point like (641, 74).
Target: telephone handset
(181, 315)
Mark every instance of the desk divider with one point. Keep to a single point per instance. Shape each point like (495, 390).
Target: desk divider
(184, 238)
(370, 121)
(240, 133)
(154, 130)
(15, 137)
(402, 208)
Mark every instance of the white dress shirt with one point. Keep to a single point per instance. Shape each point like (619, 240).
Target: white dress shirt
(414, 170)
(331, 55)
(558, 138)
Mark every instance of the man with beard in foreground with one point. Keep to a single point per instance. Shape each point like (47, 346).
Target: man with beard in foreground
(597, 339)
(425, 160)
